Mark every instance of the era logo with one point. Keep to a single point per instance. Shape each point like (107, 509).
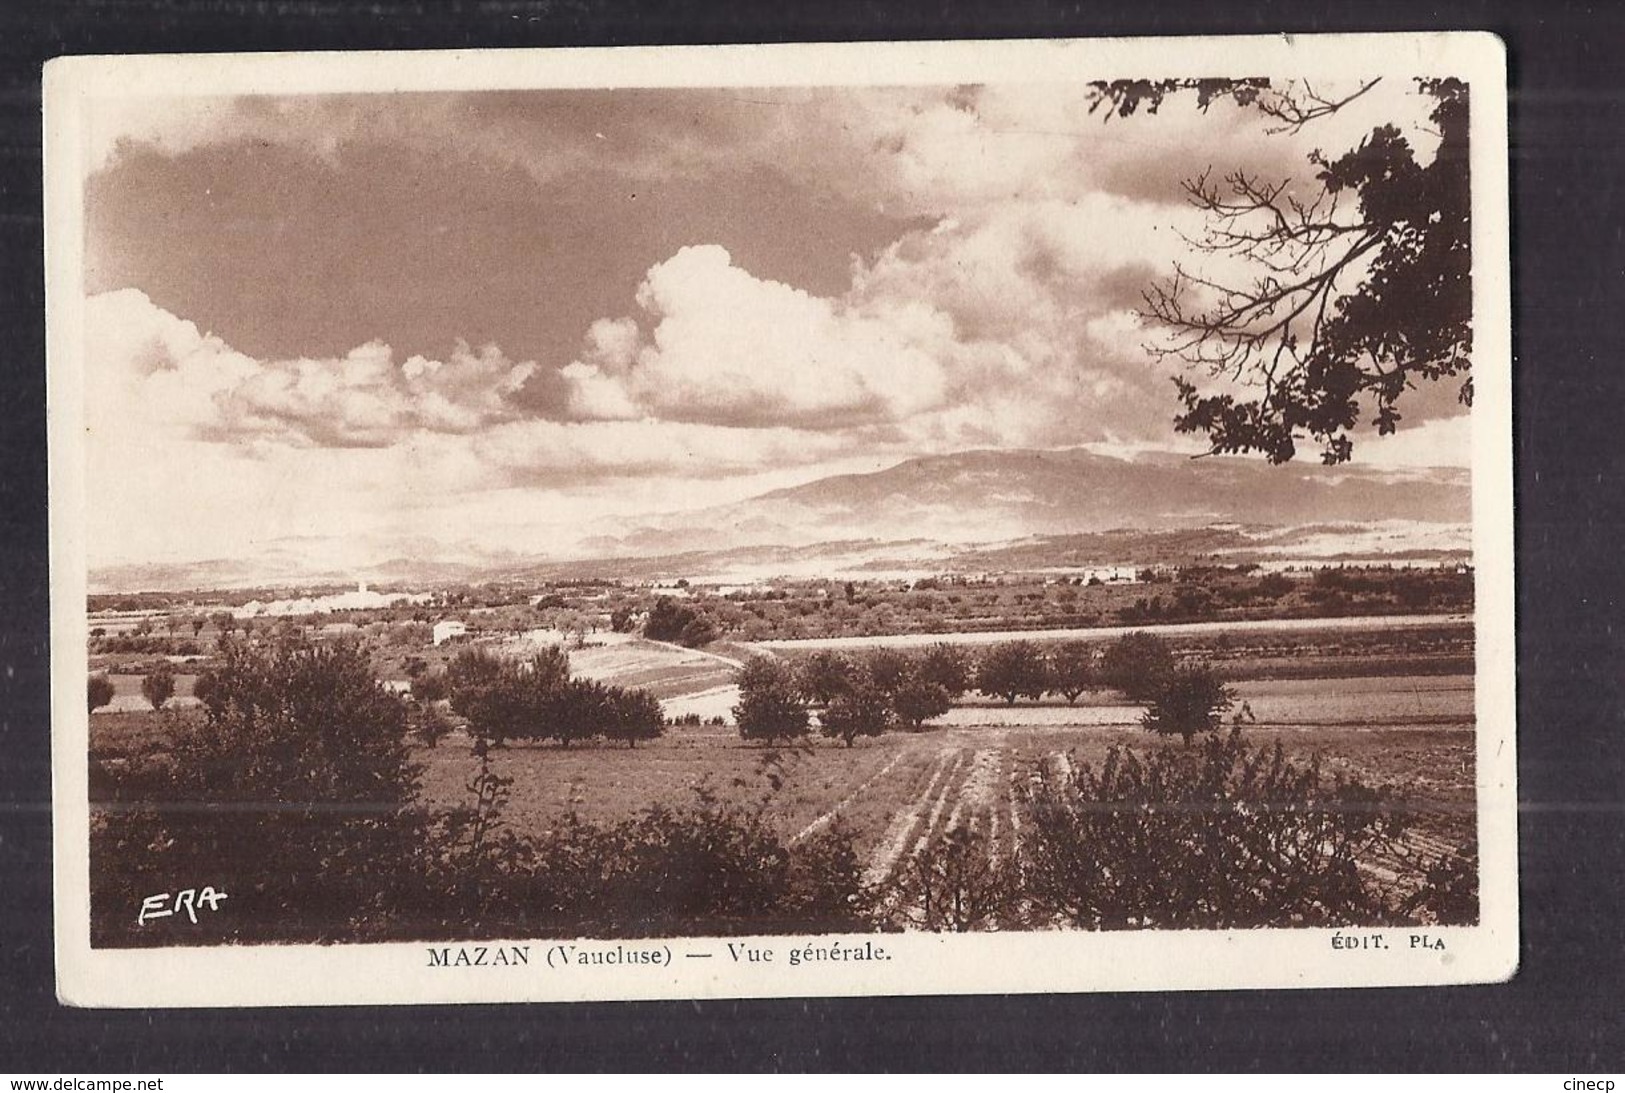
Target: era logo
(187, 899)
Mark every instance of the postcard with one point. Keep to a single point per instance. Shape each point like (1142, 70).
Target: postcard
(813, 520)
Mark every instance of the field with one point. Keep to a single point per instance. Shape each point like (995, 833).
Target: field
(901, 791)
(898, 794)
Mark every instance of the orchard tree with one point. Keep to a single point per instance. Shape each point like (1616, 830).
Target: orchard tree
(948, 667)
(1137, 664)
(770, 706)
(1358, 282)
(1191, 700)
(888, 670)
(1071, 669)
(918, 700)
(100, 691)
(637, 716)
(672, 621)
(579, 709)
(862, 710)
(824, 675)
(158, 685)
(1012, 670)
(505, 699)
(430, 687)
(225, 624)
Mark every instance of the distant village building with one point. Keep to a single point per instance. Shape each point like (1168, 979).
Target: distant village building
(449, 630)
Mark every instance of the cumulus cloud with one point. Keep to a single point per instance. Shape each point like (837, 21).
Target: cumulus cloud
(727, 348)
(1011, 322)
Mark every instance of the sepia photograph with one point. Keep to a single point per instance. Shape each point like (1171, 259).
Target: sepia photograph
(733, 521)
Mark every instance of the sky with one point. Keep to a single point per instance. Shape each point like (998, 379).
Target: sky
(507, 316)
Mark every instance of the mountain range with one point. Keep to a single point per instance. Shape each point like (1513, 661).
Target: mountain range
(924, 510)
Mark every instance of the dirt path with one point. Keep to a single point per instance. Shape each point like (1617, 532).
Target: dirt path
(729, 661)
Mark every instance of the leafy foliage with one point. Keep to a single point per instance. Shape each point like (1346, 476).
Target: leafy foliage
(1071, 669)
(1012, 670)
(99, 692)
(824, 675)
(1348, 307)
(1191, 700)
(158, 685)
(1220, 837)
(948, 667)
(863, 709)
(920, 699)
(1137, 664)
(670, 620)
(292, 792)
(770, 706)
(536, 699)
(505, 699)
(1448, 895)
(955, 884)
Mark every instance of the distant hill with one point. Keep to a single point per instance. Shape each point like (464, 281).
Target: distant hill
(991, 496)
(967, 508)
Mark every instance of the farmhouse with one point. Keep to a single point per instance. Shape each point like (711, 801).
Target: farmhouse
(448, 630)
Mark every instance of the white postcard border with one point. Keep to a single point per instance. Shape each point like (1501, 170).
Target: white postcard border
(1040, 961)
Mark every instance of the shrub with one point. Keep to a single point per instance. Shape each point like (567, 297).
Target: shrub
(1219, 837)
(292, 792)
(955, 884)
(1448, 895)
(100, 692)
(158, 685)
(1192, 699)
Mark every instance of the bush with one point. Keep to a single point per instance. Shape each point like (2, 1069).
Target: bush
(100, 692)
(1136, 664)
(672, 621)
(1191, 700)
(1220, 837)
(1449, 893)
(955, 885)
(708, 868)
(158, 685)
(292, 792)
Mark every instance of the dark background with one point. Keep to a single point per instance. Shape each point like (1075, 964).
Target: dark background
(1561, 1013)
